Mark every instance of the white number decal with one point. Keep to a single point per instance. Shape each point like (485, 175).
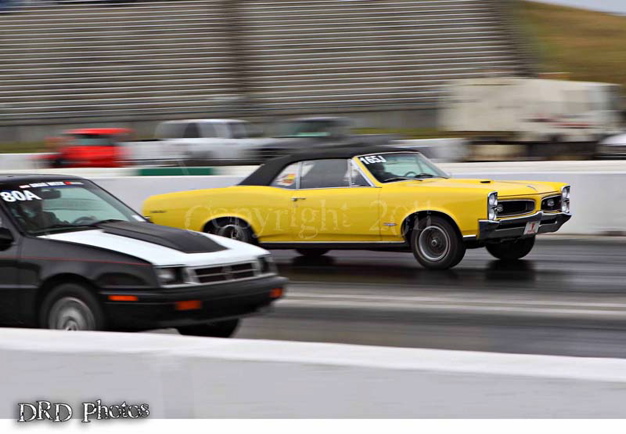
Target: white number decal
(30, 195)
(370, 159)
(22, 196)
(7, 196)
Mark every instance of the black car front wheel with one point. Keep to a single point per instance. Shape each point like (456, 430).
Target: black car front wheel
(220, 329)
(71, 307)
(511, 250)
(436, 244)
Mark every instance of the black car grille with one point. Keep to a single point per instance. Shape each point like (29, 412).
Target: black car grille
(551, 203)
(225, 273)
(515, 207)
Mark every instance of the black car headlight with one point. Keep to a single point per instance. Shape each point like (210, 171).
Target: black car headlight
(565, 191)
(266, 264)
(172, 276)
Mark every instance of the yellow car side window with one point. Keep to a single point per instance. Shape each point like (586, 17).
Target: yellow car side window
(329, 173)
(287, 178)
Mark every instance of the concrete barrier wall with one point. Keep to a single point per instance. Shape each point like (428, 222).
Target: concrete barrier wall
(184, 377)
(598, 198)
(25, 161)
(134, 190)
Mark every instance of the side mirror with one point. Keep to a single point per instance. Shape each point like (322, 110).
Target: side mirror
(6, 237)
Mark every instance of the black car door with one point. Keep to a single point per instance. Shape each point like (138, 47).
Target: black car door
(11, 293)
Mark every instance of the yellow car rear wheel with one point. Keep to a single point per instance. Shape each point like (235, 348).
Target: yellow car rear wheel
(436, 244)
(232, 228)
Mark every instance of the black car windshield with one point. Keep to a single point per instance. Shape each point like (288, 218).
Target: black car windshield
(61, 206)
(393, 167)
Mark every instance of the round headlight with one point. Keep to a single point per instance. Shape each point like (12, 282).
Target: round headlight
(565, 207)
(492, 214)
(493, 200)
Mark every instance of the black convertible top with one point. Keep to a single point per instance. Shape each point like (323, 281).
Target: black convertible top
(265, 174)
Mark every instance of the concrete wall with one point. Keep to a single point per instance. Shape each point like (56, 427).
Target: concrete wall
(598, 199)
(185, 377)
(598, 196)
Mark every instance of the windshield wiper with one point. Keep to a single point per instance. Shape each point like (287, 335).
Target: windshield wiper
(397, 178)
(58, 226)
(99, 222)
(68, 226)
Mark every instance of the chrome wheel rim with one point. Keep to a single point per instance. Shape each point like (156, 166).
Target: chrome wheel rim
(232, 231)
(434, 243)
(71, 314)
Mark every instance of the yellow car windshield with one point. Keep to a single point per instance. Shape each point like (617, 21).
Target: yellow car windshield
(392, 167)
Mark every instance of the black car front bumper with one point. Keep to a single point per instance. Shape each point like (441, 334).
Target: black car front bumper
(515, 227)
(160, 308)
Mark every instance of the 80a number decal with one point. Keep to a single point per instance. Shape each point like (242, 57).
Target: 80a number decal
(21, 196)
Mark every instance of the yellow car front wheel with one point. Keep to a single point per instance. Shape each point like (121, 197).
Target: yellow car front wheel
(511, 250)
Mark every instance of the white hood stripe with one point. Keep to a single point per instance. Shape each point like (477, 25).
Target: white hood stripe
(159, 255)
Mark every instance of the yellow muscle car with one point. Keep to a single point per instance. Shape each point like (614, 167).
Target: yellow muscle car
(380, 198)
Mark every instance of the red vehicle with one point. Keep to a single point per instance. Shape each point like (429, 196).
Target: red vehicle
(88, 147)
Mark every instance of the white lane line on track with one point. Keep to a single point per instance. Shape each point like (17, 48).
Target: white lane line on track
(467, 301)
(458, 308)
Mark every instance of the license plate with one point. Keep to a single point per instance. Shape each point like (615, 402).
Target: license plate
(531, 228)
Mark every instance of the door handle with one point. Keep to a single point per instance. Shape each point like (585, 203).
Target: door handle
(295, 199)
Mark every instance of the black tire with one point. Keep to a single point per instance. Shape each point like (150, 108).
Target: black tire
(511, 250)
(436, 244)
(232, 228)
(312, 253)
(71, 306)
(220, 329)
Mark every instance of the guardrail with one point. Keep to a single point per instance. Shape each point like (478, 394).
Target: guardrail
(186, 377)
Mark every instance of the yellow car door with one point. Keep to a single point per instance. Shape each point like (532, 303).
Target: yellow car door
(334, 203)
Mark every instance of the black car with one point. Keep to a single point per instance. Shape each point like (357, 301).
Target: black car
(306, 133)
(74, 257)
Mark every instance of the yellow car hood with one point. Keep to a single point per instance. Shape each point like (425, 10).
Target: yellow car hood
(504, 188)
